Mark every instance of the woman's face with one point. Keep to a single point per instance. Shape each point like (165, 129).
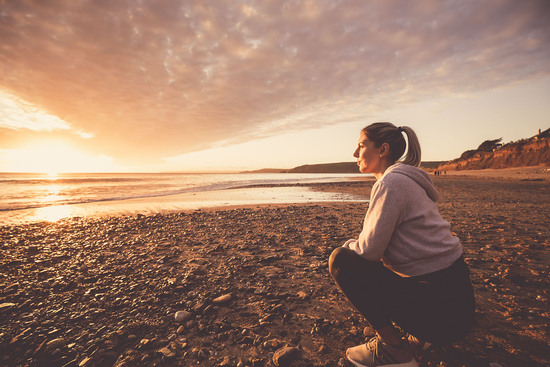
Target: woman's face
(368, 156)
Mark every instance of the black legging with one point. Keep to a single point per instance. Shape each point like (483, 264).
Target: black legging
(437, 307)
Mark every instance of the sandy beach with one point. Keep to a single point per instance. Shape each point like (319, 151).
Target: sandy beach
(249, 286)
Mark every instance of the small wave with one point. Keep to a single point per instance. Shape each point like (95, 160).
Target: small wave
(213, 187)
(69, 181)
(146, 186)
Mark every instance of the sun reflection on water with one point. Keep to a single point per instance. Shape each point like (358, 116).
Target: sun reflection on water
(52, 193)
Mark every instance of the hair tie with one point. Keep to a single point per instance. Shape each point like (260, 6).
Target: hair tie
(400, 129)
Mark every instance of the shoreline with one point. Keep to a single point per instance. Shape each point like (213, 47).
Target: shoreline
(253, 280)
(272, 194)
(246, 196)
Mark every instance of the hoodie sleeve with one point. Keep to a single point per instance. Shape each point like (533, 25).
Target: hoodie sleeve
(382, 218)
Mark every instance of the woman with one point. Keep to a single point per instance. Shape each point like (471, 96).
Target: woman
(406, 268)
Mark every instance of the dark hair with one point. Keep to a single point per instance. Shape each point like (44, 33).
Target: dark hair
(386, 132)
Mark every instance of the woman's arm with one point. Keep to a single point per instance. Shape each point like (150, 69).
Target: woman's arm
(382, 219)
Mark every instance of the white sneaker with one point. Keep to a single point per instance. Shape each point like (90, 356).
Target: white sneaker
(376, 353)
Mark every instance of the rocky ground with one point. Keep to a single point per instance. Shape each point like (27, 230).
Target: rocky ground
(250, 286)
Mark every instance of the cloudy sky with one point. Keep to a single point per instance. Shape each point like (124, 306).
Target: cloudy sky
(196, 85)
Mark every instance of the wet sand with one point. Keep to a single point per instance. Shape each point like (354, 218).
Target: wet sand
(237, 197)
(253, 286)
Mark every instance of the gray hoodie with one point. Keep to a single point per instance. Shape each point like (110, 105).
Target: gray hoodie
(403, 226)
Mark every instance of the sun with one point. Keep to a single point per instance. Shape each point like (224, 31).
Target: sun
(53, 157)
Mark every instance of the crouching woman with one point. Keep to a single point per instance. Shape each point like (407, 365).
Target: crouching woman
(406, 269)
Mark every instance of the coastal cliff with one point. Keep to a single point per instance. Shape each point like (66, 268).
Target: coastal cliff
(534, 151)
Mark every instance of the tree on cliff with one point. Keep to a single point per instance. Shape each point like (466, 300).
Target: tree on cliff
(490, 145)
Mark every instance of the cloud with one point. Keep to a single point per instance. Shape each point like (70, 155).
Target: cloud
(150, 79)
(16, 114)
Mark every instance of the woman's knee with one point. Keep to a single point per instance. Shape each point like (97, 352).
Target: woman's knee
(339, 256)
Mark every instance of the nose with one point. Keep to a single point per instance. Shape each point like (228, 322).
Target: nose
(356, 153)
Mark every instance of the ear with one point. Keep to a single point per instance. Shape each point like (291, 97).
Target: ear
(384, 150)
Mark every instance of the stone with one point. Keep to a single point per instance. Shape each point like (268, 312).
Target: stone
(84, 362)
(54, 344)
(143, 343)
(19, 336)
(182, 316)
(284, 357)
(223, 299)
(166, 352)
(273, 343)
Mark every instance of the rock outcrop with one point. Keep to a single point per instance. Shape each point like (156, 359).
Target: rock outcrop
(342, 167)
(534, 151)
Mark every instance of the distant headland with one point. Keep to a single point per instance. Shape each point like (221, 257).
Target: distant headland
(340, 167)
(533, 151)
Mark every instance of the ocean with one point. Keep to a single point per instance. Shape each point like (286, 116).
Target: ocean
(37, 197)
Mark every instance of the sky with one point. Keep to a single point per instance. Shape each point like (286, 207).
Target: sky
(167, 85)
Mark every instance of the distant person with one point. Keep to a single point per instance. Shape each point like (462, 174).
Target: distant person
(406, 268)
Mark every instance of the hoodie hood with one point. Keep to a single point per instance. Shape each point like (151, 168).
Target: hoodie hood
(421, 177)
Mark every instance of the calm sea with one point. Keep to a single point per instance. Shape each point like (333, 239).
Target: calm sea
(34, 197)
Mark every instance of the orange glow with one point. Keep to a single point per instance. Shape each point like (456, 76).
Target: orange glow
(53, 213)
(53, 157)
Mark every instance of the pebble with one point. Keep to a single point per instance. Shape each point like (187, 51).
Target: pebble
(223, 299)
(54, 344)
(182, 316)
(122, 309)
(84, 362)
(226, 362)
(7, 305)
(166, 352)
(285, 356)
(143, 343)
(273, 343)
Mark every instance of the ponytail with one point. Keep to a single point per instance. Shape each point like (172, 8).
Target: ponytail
(414, 152)
(386, 132)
